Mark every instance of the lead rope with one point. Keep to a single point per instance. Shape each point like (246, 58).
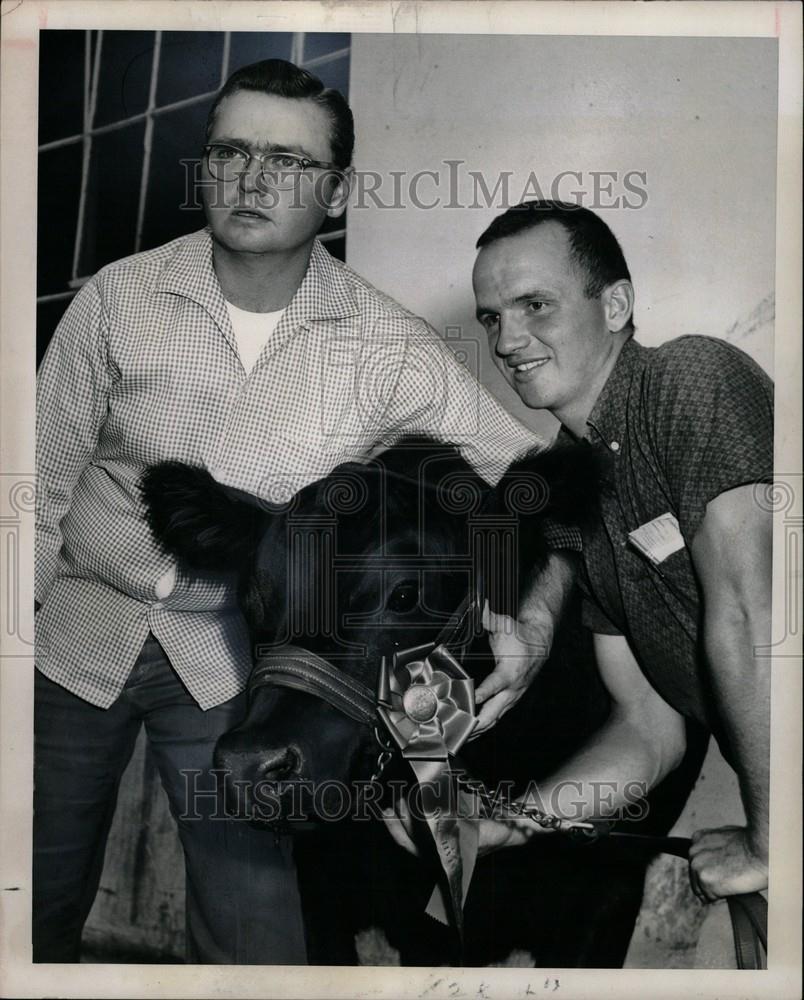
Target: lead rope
(538, 816)
(748, 912)
(383, 758)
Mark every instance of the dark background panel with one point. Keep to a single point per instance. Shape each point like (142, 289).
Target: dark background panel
(112, 197)
(251, 46)
(334, 74)
(125, 75)
(337, 247)
(323, 42)
(61, 84)
(172, 206)
(59, 181)
(48, 315)
(190, 64)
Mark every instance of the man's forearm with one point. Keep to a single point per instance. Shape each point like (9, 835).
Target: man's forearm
(543, 601)
(617, 767)
(608, 777)
(741, 685)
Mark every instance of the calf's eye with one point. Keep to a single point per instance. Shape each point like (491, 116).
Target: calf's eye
(404, 597)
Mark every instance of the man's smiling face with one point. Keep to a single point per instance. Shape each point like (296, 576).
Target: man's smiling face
(546, 336)
(248, 215)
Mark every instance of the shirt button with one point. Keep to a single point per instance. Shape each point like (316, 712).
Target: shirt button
(156, 605)
(166, 583)
(615, 446)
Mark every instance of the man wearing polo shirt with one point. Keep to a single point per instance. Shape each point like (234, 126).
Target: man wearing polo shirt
(247, 349)
(678, 570)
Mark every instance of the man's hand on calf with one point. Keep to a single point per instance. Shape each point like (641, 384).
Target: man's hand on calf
(520, 649)
(726, 862)
(493, 834)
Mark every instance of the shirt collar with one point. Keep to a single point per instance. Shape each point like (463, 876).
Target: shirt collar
(324, 293)
(607, 420)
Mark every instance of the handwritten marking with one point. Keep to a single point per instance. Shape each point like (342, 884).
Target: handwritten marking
(454, 989)
(429, 989)
(5, 13)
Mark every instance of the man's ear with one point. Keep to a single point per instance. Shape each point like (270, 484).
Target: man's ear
(339, 195)
(618, 302)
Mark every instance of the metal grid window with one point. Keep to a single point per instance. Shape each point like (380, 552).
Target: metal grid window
(122, 113)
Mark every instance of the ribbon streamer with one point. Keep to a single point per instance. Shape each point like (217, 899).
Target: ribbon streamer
(426, 700)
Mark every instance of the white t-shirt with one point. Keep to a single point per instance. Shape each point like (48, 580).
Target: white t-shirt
(251, 331)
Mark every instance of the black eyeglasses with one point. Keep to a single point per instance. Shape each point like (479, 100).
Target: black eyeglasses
(280, 170)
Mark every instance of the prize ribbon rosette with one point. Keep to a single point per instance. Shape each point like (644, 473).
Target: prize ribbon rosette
(426, 701)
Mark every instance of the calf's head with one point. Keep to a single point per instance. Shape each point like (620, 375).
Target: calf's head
(375, 558)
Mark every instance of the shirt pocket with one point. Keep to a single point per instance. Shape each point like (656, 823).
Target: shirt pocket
(676, 574)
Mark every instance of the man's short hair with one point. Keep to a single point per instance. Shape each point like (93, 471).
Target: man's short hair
(282, 78)
(593, 246)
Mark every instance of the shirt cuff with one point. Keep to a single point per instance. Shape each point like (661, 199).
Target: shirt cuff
(560, 536)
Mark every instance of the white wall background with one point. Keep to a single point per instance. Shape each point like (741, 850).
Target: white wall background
(697, 115)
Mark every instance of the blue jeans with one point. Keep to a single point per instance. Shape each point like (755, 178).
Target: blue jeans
(242, 896)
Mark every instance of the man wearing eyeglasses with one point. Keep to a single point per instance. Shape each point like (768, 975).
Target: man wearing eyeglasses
(247, 349)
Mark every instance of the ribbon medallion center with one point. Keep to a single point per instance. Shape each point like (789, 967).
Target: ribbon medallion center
(420, 703)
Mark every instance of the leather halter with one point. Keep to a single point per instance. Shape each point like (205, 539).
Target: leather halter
(294, 667)
(297, 668)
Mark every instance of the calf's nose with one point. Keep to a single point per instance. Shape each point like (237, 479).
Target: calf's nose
(258, 763)
(279, 764)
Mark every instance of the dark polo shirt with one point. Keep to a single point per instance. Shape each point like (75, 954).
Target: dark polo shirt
(679, 424)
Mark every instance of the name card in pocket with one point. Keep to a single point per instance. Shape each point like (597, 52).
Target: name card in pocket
(658, 539)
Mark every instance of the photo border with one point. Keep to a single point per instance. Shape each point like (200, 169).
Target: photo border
(21, 22)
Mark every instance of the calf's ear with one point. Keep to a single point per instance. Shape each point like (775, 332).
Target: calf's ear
(559, 484)
(551, 487)
(544, 492)
(197, 520)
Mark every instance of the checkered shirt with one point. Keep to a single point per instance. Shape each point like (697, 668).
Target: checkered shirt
(679, 424)
(144, 367)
